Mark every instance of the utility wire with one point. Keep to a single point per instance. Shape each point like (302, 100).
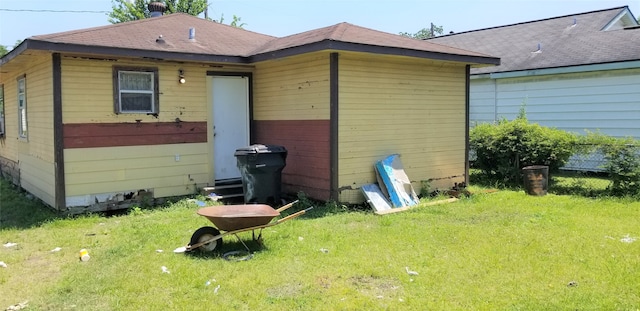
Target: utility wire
(51, 11)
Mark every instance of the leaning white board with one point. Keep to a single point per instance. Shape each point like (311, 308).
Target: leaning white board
(375, 198)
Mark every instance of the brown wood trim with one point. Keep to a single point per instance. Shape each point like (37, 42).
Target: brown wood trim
(367, 48)
(467, 95)
(333, 125)
(58, 140)
(92, 135)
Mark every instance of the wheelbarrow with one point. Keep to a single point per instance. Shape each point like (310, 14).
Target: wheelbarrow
(233, 219)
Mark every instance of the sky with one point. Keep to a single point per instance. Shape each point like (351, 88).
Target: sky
(20, 19)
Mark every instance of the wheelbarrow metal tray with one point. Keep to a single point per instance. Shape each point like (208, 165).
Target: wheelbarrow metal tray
(237, 217)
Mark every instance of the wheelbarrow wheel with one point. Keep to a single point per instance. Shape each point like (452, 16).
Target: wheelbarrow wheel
(204, 234)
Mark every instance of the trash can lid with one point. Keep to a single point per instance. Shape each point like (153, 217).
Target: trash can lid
(260, 148)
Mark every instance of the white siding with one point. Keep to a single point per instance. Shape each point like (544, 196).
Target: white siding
(482, 101)
(608, 101)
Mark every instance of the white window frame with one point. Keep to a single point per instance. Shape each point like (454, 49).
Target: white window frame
(152, 73)
(23, 128)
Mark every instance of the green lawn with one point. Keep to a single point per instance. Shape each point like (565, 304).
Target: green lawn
(498, 251)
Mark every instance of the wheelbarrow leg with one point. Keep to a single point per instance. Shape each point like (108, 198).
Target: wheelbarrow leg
(259, 239)
(245, 245)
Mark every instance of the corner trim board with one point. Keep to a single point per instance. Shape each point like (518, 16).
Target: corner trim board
(333, 126)
(58, 135)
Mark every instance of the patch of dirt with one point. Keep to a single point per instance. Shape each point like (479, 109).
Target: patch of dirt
(324, 282)
(290, 290)
(376, 286)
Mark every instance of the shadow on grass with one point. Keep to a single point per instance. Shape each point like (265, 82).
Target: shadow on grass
(586, 184)
(20, 210)
(321, 208)
(231, 249)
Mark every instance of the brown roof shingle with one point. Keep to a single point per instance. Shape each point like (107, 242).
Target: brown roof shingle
(216, 42)
(210, 37)
(348, 33)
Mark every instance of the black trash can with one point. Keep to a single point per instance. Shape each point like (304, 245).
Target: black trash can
(261, 169)
(536, 179)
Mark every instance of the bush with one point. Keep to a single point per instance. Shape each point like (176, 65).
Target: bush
(622, 161)
(503, 149)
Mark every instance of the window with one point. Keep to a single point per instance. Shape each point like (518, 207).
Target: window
(135, 90)
(22, 107)
(1, 110)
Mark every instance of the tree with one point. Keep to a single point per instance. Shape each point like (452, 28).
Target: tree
(130, 10)
(425, 33)
(5, 49)
(236, 22)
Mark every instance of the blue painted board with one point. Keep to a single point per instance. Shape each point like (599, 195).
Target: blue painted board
(396, 181)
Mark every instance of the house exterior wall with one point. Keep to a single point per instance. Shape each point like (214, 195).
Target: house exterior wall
(30, 161)
(291, 108)
(605, 101)
(389, 105)
(482, 102)
(109, 156)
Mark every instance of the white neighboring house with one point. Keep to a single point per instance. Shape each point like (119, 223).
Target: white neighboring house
(576, 72)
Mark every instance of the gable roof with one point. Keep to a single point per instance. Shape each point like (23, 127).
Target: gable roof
(215, 42)
(345, 36)
(586, 38)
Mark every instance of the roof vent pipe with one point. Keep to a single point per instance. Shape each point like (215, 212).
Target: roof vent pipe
(156, 8)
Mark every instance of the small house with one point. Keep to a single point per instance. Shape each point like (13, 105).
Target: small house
(95, 118)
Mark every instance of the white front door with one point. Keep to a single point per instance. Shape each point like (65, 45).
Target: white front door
(230, 122)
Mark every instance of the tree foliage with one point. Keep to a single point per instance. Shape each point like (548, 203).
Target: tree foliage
(236, 22)
(5, 49)
(130, 10)
(425, 33)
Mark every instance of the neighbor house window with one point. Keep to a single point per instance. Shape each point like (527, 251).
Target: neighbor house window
(22, 107)
(135, 90)
(1, 110)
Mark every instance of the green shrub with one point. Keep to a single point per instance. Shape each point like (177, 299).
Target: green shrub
(503, 149)
(622, 161)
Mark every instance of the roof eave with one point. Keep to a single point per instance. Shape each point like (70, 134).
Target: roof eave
(117, 51)
(14, 53)
(307, 48)
(577, 68)
(328, 44)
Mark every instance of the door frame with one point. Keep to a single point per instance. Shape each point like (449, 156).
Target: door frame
(210, 137)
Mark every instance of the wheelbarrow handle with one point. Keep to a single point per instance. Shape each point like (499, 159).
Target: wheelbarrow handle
(287, 206)
(294, 215)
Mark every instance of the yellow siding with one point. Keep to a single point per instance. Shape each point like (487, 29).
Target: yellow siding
(393, 105)
(9, 143)
(35, 154)
(39, 109)
(87, 91)
(123, 169)
(87, 96)
(37, 176)
(295, 88)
